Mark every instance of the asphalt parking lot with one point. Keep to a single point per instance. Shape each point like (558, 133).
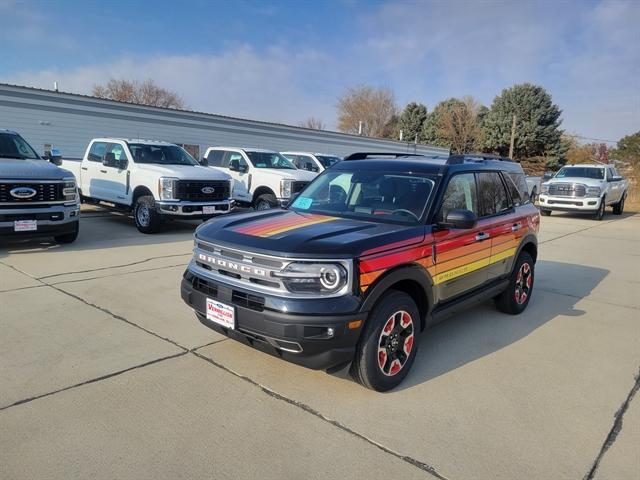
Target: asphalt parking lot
(105, 373)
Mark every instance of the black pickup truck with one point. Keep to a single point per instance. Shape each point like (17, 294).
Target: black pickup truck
(370, 253)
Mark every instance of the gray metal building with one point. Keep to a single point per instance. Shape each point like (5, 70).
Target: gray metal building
(49, 119)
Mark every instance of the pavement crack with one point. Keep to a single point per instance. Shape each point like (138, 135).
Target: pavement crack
(615, 429)
(119, 274)
(114, 266)
(22, 288)
(306, 408)
(94, 380)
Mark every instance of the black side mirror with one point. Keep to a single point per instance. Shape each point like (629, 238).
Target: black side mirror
(55, 157)
(204, 162)
(122, 164)
(460, 218)
(309, 166)
(109, 160)
(234, 165)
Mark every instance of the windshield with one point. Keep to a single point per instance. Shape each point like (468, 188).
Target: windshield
(581, 172)
(327, 160)
(161, 154)
(373, 196)
(13, 145)
(269, 160)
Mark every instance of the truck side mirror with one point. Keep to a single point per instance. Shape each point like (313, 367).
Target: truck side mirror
(234, 165)
(55, 157)
(109, 160)
(460, 218)
(204, 162)
(310, 167)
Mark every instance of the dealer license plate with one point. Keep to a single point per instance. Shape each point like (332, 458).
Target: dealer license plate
(25, 225)
(207, 209)
(221, 313)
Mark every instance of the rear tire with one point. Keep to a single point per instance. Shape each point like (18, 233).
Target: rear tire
(618, 208)
(600, 212)
(265, 201)
(147, 219)
(393, 329)
(68, 237)
(515, 298)
(545, 213)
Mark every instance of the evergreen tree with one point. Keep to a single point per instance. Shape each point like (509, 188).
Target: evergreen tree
(411, 121)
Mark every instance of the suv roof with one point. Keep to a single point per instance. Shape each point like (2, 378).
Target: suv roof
(436, 164)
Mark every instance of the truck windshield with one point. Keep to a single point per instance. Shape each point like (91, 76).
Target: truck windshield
(161, 154)
(581, 172)
(327, 160)
(13, 145)
(395, 197)
(270, 160)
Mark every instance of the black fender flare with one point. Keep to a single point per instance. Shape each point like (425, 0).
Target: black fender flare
(528, 239)
(410, 271)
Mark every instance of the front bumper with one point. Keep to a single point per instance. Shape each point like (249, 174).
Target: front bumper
(54, 219)
(183, 208)
(569, 204)
(314, 340)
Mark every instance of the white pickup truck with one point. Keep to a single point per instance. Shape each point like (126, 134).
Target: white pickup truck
(261, 178)
(154, 180)
(584, 188)
(312, 162)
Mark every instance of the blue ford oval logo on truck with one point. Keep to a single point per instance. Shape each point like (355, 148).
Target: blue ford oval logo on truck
(208, 190)
(23, 192)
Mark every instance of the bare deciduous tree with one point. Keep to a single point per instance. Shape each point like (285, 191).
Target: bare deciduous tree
(143, 93)
(460, 127)
(375, 108)
(314, 123)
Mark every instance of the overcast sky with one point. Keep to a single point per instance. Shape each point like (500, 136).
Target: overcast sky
(285, 61)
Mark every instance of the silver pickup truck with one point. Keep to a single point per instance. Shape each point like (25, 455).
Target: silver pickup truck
(587, 188)
(37, 198)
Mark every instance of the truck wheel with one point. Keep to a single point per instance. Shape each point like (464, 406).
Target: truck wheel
(68, 237)
(265, 202)
(389, 343)
(545, 212)
(600, 212)
(534, 195)
(518, 293)
(618, 208)
(147, 219)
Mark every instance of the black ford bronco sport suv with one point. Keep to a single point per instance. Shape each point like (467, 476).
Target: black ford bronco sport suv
(374, 250)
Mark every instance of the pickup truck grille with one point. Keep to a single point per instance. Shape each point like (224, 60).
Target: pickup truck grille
(45, 192)
(297, 186)
(567, 190)
(203, 191)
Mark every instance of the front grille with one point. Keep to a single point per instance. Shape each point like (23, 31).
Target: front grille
(191, 190)
(14, 217)
(45, 192)
(567, 190)
(247, 300)
(298, 186)
(205, 287)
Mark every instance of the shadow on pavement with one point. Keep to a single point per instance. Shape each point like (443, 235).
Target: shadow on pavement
(483, 330)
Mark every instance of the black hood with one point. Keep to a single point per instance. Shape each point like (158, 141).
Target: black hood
(289, 233)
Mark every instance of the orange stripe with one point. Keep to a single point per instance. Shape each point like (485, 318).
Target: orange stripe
(458, 262)
(296, 226)
(271, 224)
(461, 251)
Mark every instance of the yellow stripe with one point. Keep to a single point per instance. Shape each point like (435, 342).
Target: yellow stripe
(307, 223)
(473, 266)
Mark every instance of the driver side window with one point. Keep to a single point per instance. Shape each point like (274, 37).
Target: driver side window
(461, 193)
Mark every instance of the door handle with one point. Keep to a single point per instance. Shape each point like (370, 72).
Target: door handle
(515, 227)
(83, 168)
(481, 236)
(103, 171)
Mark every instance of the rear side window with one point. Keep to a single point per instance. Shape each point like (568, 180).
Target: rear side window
(492, 195)
(215, 158)
(96, 153)
(521, 184)
(460, 194)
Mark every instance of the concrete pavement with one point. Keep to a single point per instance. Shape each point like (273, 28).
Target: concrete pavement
(106, 374)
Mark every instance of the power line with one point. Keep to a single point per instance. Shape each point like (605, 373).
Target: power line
(593, 139)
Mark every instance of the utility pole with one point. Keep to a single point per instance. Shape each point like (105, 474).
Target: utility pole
(513, 137)
(360, 127)
(401, 135)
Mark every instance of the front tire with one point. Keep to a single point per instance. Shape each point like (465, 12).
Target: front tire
(515, 298)
(618, 208)
(147, 219)
(545, 213)
(389, 343)
(266, 201)
(600, 212)
(68, 237)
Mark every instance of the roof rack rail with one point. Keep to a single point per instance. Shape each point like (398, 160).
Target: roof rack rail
(475, 157)
(365, 155)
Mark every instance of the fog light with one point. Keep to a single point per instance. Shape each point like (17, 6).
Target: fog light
(330, 332)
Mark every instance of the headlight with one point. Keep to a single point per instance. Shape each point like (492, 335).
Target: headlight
(285, 188)
(544, 188)
(166, 188)
(593, 191)
(314, 277)
(69, 189)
